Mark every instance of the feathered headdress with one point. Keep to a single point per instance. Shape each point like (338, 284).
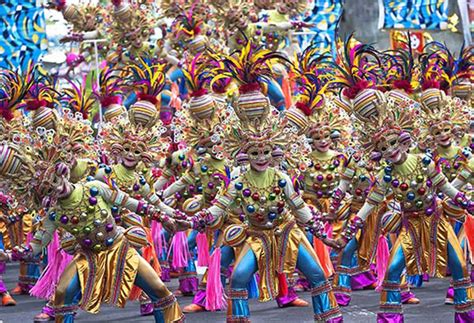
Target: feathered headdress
(197, 75)
(14, 87)
(250, 67)
(148, 80)
(400, 69)
(78, 100)
(110, 92)
(257, 123)
(357, 68)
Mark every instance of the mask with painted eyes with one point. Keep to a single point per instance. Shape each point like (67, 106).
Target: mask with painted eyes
(321, 139)
(132, 154)
(260, 157)
(442, 134)
(391, 149)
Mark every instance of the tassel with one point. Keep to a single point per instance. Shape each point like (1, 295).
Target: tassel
(203, 249)
(253, 288)
(323, 256)
(179, 246)
(158, 241)
(383, 254)
(57, 262)
(282, 285)
(214, 291)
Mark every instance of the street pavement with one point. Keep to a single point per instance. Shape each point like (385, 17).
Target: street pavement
(363, 308)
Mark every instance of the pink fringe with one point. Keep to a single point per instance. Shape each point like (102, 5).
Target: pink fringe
(203, 249)
(215, 300)
(57, 262)
(383, 254)
(179, 246)
(158, 241)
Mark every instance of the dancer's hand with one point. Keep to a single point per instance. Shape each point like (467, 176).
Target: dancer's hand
(335, 244)
(169, 224)
(183, 225)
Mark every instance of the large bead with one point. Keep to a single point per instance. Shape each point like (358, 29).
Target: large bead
(94, 191)
(52, 216)
(64, 219)
(109, 227)
(250, 208)
(282, 183)
(83, 216)
(272, 196)
(272, 216)
(255, 196)
(97, 222)
(104, 213)
(100, 236)
(92, 200)
(246, 192)
(87, 242)
(74, 220)
(97, 247)
(109, 242)
(87, 230)
(411, 196)
(404, 186)
(239, 186)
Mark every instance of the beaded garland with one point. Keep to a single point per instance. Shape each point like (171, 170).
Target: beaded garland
(414, 192)
(264, 205)
(322, 177)
(88, 220)
(207, 182)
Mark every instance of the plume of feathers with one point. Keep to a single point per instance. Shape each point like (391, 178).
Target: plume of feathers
(311, 97)
(111, 84)
(188, 23)
(252, 65)
(310, 61)
(14, 87)
(357, 68)
(42, 93)
(78, 99)
(399, 68)
(197, 74)
(149, 78)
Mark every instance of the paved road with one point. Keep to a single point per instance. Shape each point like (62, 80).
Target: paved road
(362, 309)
